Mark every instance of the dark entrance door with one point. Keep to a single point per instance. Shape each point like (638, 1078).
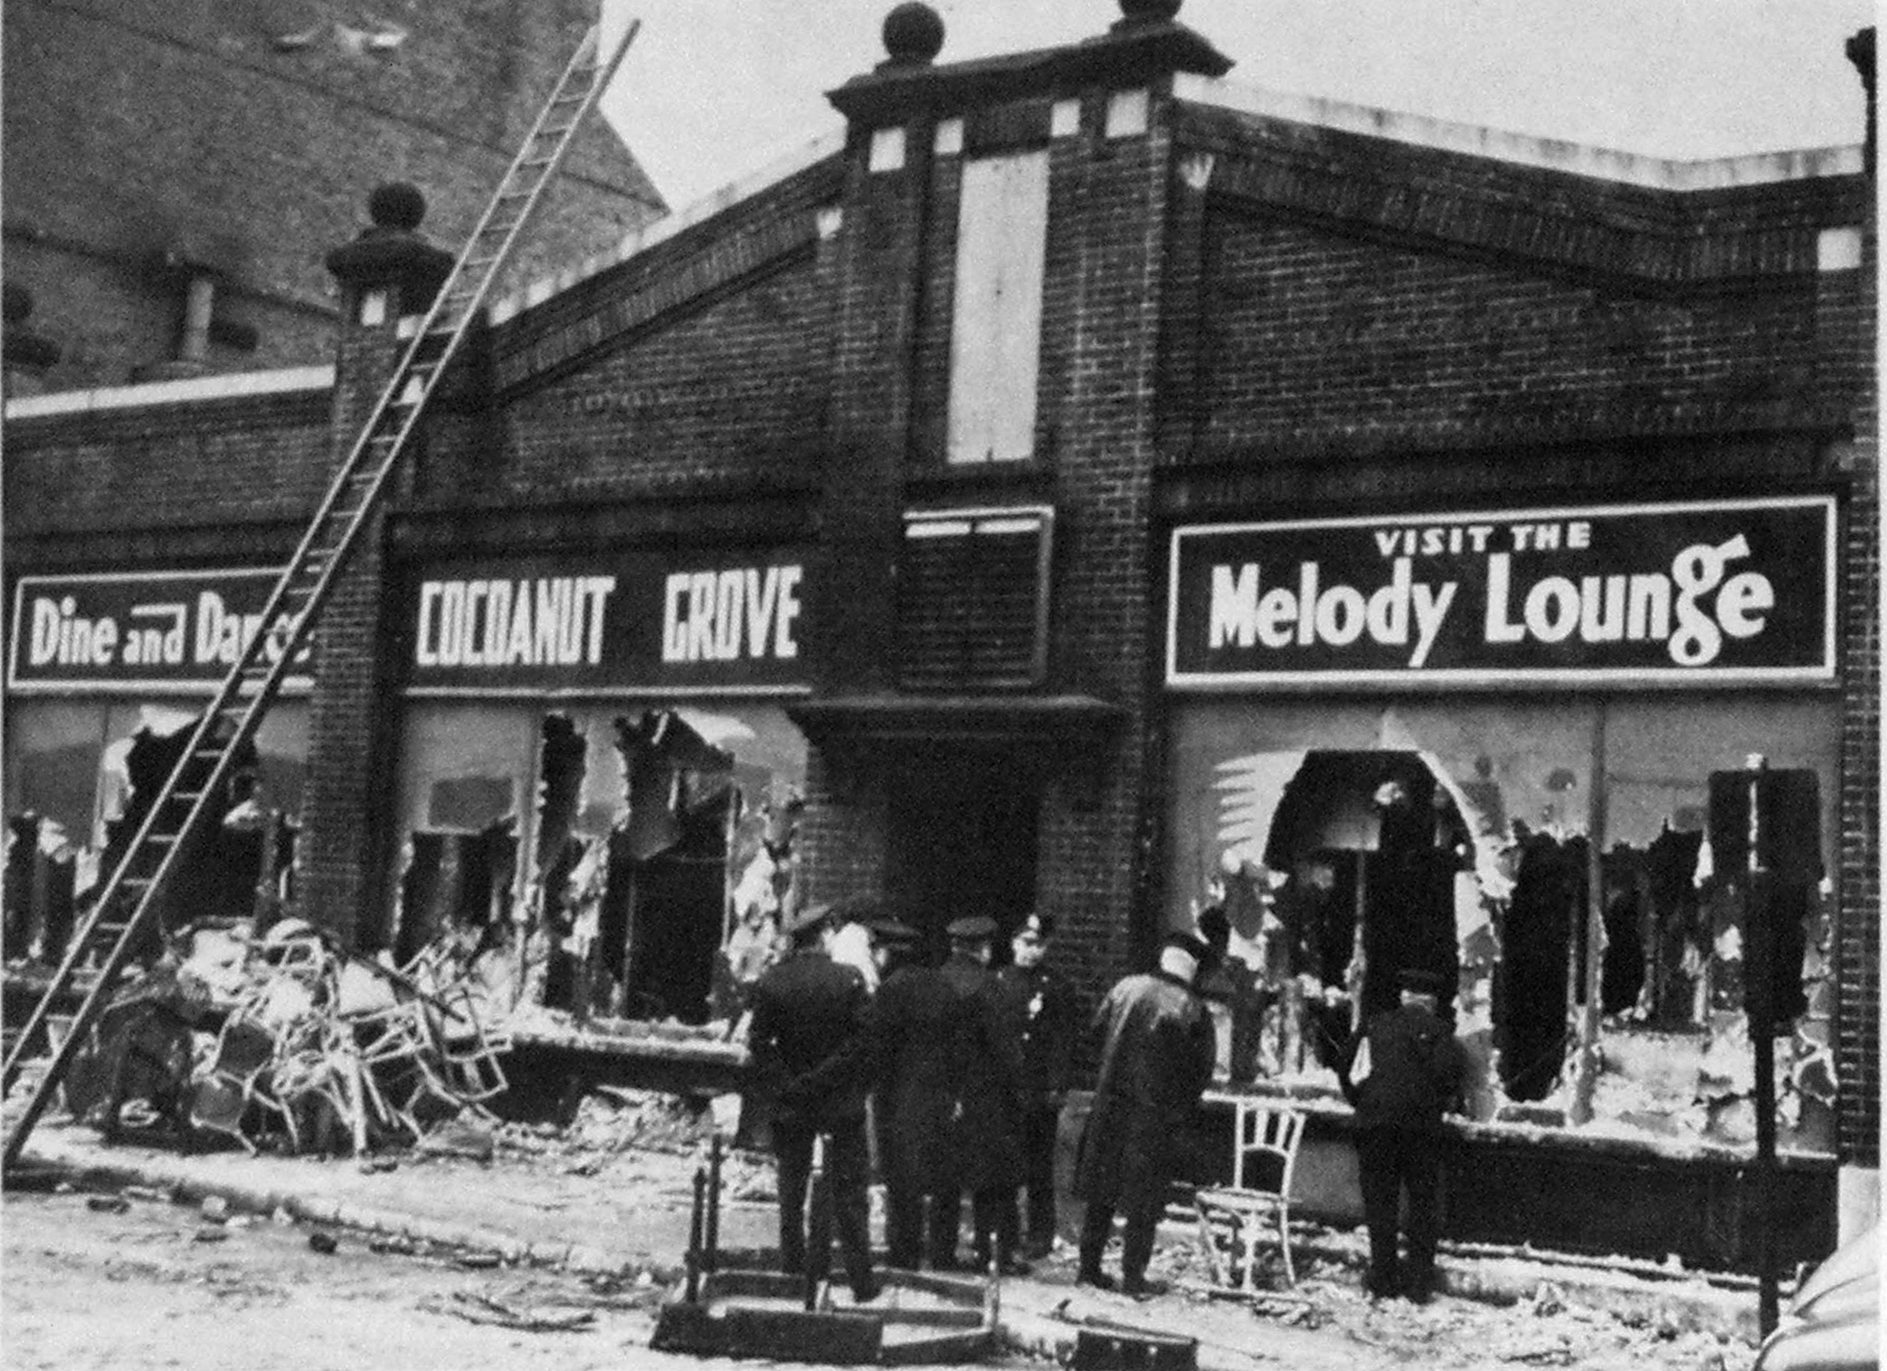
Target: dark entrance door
(962, 838)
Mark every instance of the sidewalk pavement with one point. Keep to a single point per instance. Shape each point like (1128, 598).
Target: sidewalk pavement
(630, 1216)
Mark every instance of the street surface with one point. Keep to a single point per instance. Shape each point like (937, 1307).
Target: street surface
(145, 1283)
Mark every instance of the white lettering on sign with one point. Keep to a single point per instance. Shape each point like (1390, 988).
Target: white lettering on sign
(1243, 612)
(62, 637)
(1638, 607)
(717, 616)
(535, 621)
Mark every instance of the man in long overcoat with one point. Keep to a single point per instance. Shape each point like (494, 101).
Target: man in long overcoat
(813, 1060)
(1157, 1056)
(986, 1132)
(942, 1058)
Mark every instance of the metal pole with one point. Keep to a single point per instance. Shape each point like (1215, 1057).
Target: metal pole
(695, 1219)
(1758, 978)
(711, 1237)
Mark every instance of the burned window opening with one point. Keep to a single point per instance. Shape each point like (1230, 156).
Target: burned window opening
(645, 883)
(1664, 1046)
(238, 869)
(456, 885)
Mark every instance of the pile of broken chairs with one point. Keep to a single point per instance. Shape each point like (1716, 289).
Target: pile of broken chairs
(317, 1050)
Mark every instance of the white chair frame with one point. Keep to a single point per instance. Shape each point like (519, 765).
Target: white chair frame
(1266, 1128)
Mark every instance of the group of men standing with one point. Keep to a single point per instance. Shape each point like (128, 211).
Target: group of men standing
(964, 1066)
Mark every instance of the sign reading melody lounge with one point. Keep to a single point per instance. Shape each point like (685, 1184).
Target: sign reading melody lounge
(697, 622)
(1708, 591)
(174, 632)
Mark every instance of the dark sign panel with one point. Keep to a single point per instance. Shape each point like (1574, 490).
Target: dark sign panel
(723, 621)
(172, 631)
(1716, 591)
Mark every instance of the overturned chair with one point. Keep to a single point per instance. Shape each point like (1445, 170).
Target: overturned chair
(1235, 1220)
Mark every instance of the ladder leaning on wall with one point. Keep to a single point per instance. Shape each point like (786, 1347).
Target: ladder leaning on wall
(128, 902)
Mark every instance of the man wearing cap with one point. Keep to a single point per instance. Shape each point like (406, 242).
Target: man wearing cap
(986, 1126)
(1401, 1074)
(811, 1055)
(1043, 1003)
(1157, 1054)
(914, 1034)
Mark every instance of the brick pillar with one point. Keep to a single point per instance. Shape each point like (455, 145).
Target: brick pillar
(389, 272)
(875, 248)
(1108, 198)
(1845, 319)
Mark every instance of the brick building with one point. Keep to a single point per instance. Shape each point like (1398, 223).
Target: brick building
(1091, 486)
(174, 173)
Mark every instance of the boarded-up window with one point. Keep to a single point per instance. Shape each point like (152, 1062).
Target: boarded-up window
(973, 599)
(996, 324)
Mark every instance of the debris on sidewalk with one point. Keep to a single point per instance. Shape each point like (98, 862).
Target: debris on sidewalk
(312, 1048)
(479, 1308)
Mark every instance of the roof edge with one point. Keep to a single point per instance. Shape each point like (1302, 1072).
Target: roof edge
(1550, 154)
(235, 385)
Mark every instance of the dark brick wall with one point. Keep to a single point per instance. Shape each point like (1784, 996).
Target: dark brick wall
(165, 468)
(1315, 332)
(136, 127)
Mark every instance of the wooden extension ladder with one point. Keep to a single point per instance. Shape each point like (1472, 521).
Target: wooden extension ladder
(128, 902)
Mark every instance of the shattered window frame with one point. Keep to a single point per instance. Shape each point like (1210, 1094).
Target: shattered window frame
(590, 871)
(1666, 1062)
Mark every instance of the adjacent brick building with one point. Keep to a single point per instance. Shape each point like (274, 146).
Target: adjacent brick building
(174, 173)
(1093, 487)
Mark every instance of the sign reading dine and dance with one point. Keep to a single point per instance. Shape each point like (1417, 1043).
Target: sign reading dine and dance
(1708, 591)
(166, 631)
(729, 620)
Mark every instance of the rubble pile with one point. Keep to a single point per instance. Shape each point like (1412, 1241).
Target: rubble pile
(612, 1119)
(294, 1045)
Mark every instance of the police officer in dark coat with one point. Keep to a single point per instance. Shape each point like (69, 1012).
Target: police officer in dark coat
(813, 1059)
(986, 1131)
(1157, 1056)
(1401, 1074)
(1043, 1002)
(915, 1033)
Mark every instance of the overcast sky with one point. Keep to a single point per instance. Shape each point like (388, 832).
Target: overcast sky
(714, 89)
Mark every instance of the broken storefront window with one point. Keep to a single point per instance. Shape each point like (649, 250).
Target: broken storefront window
(1340, 865)
(646, 882)
(239, 870)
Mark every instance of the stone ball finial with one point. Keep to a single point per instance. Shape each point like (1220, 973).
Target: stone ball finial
(913, 33)
(396, 205)
(1149, 11)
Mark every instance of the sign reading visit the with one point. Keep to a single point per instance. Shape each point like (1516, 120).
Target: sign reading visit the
(141, 631)
(1716, 591)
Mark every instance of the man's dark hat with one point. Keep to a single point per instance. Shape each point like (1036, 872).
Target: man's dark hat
(1422, 981)
(1036, 926)
(808, 919)
(1215, 926)
(972, 928)
(887, 929)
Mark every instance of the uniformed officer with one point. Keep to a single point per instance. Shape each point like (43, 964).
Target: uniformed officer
(987, 1123)
(1043, 1002)
(812, 1058)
